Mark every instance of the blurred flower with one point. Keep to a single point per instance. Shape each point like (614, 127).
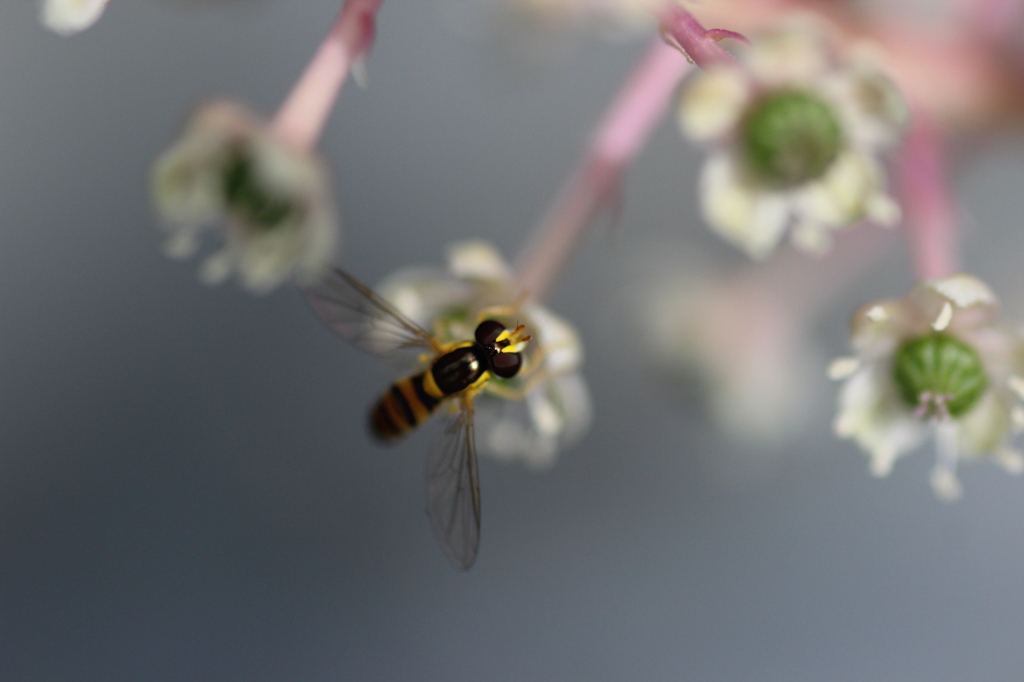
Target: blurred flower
(746, 344)
(272, 202)
(797, 135)
(935, 362)
(68, 17)
(555, 411)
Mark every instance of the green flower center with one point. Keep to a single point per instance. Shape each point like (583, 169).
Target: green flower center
(939, 375)
(790, 137)
(247, 198)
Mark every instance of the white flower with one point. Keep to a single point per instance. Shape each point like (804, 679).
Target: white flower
(933, 363)
(796, 136)
(273, 202)
(68, 17)
(555, 411)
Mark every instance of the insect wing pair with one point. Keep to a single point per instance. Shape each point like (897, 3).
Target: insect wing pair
(356, 313)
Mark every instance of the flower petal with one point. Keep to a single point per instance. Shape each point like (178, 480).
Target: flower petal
(871, 413)
(974, 304)
(795, 54)
(713, 102)
(424, 294)
(534, 430)
(875, 111)
(841, 196)
(216, 268)
(185, 187)
(811, 238)
(883, 210)
(750, 218)
(68, 17)
(563, 349)
(964, 290)
(945, 483)
(983, 430)
(477, 260)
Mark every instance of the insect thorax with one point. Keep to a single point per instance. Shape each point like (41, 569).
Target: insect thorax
(459, 369)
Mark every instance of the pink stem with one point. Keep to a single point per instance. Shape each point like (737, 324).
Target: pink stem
(700, 45)
(303, 114)
(595, 183)
(994, 19)
(929, 211)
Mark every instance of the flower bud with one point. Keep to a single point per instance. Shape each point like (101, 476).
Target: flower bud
(939, 375)
(247, 197)
(790, 137)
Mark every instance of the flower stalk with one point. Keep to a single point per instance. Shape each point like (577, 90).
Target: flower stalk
(682, 29)
(303, 114)
(929, 209)
(992, 19)
(595, 184)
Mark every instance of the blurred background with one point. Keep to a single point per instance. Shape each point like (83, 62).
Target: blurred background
(187, 491)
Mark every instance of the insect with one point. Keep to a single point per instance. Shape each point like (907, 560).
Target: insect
(454, 374)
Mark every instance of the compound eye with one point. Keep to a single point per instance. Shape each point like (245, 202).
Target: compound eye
(506, 365)
(487, 332)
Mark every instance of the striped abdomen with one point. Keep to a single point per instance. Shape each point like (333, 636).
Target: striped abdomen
(411, 401)
(405, 406)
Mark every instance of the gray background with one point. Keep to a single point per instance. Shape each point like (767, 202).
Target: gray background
(186, 488)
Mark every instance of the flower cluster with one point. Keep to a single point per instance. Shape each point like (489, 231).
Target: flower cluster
(796, 135)
(798, 128)
(554, 409)
(936, 362)
(272, 201)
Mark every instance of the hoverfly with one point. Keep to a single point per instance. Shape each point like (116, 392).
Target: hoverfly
(455, 373)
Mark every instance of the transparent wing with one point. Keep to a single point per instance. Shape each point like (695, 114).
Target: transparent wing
(355, 313)
(453, 489)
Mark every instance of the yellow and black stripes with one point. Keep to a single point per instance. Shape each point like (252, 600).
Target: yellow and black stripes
(465, 367)
(406, 405)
